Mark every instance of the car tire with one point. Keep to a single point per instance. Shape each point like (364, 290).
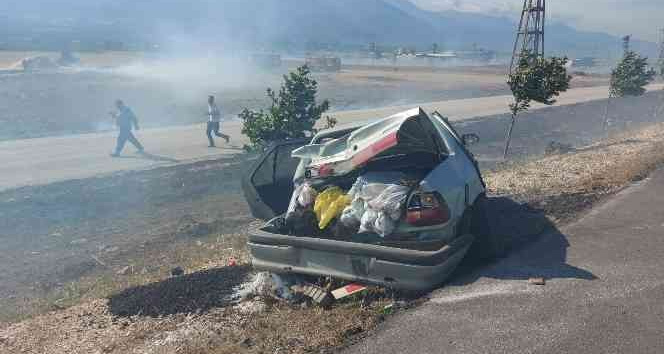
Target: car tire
(487, 246)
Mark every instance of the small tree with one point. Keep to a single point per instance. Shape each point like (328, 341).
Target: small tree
(292, 114)
(535, 79)
(631, 76)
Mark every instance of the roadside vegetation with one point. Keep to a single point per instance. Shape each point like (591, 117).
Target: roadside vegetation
(292, 114)
(536, 79)
(629, 78)
(565, 184)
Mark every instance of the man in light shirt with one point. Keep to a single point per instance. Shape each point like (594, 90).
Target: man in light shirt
(214, 119)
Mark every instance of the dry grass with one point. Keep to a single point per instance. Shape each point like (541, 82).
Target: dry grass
(151, 265)
(604, 166)
(92, 328)
(9, 59)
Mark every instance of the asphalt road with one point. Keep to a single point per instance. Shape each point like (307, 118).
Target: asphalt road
(604, 292)
(46, 160)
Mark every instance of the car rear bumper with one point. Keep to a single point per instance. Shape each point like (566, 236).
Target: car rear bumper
(393, 267)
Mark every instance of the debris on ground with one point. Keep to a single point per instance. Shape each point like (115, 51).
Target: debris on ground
(348, 290)
(187, 226)
(299, 290)
(246, 343)
(265, 285)
(537, 281)
(99, 261)
(124, 270)
(251, 307)
(317, 294)
(557, 148)
(79, 241)
(177, 271)
(388, 309)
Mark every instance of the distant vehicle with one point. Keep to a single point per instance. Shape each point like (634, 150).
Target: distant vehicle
(324, 64)
(443, 55)
(585, 62)
(266, 61)
(443, 215)
(38, 63)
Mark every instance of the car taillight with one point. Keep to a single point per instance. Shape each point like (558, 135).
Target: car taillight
(427, 209)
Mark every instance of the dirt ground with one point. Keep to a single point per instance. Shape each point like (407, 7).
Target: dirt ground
(89, 229)
(171, 93)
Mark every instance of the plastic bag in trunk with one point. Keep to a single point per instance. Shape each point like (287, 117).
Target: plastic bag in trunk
(376, 207)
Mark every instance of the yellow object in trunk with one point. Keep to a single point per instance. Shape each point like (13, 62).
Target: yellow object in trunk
(329, 205)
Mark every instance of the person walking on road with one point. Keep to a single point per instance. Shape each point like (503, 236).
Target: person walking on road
(214, 119)
(125, 119)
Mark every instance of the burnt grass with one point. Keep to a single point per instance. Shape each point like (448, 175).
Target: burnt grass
(52, 234)
(575, 125)
(190, 293)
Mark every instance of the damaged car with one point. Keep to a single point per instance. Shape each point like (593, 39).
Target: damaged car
(396, 202)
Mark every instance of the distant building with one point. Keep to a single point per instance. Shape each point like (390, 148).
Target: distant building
(324, 64)
(266, 61)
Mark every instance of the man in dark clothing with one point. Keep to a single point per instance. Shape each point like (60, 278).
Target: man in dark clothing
(214, 119)
(125, 120)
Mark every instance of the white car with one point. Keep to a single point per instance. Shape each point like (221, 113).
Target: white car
(443, 216)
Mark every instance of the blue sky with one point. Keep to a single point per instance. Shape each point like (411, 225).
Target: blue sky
(641, 18)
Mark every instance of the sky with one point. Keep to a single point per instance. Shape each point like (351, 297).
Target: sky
(641, 18)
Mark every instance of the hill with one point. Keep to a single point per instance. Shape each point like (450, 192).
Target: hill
(286, 23)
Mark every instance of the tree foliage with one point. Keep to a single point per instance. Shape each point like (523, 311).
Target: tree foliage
(292, 114)
(536, 79)
(631, 76)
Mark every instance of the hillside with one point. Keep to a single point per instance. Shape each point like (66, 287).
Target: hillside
(287, 23)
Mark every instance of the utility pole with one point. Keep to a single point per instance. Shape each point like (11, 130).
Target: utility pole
(660, 71)
(530, 35)
(660, 60)
(626, 40)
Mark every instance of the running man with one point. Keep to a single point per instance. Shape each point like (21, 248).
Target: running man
(125, 119)
(214, 119)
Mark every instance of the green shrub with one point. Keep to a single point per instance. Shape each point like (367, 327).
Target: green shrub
(292, 114)
(631, 76)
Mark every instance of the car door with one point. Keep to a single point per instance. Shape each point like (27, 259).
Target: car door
(268, 184)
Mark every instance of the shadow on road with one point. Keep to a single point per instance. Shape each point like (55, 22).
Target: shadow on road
(158, 158)
(184, 294)
(150, 157)
(535, 247)
(232, 147)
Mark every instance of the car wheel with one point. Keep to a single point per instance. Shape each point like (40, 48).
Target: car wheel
(487, 246)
